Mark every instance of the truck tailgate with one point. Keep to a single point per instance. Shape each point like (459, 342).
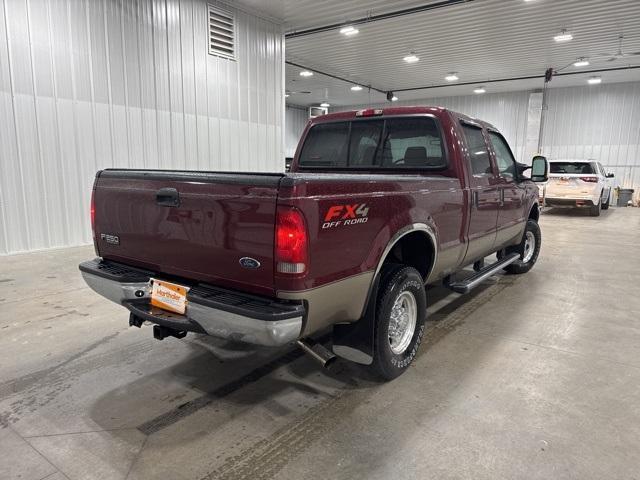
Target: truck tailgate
(190, 224)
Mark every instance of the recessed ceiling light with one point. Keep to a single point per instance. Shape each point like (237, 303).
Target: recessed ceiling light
(325, 104)
(479, 90)
(452, 77)
(394, 99)
(563, 36)
(411, 58)
(594, 80)
(356, 88)
(286, 95)
(349, 30)
(581, 62)
(306, 73)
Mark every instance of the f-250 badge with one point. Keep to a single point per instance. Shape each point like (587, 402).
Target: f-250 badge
(338, 215)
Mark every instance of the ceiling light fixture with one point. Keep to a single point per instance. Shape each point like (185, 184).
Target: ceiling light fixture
(594, 80)
(306, 73)
(452, 77)
(411, 58)
(563, 36)
(325, 105)
(479, 90)
(286, 95)
(394, 99)
(581, 62)
(356, 88)
(349, 30)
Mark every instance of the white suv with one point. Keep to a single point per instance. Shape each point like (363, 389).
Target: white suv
(578, 183)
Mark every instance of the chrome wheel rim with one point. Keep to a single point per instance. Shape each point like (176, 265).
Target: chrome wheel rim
(529, 246)
(402, 323)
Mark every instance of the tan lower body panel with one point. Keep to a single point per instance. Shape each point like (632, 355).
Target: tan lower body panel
(341, 301)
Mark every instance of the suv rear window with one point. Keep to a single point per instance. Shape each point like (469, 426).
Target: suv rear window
(391, 143)
(571, 167)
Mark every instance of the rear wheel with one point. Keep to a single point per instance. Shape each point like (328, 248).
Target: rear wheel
(595, 210)
(401, 312)
(529, 249)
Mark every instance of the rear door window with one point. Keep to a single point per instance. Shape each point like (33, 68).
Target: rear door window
(571, 168)
(394, 143)
(478, 151)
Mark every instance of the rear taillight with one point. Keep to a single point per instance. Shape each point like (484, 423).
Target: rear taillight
(589, 179)
(291, 250)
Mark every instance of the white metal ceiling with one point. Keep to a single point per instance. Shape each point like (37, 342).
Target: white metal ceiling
(302, 14)
(482, 40)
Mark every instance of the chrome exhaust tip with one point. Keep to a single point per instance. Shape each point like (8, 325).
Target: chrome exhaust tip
(317, 351)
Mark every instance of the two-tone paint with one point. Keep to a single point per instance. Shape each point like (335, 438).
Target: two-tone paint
(220, 218)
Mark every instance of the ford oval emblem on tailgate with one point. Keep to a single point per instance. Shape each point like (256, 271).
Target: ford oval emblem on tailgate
(248, 262)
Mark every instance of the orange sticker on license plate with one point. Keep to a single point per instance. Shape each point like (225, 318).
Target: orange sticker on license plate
(169, 296)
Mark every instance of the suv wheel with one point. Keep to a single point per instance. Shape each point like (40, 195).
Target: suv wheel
(401, 312)
(605, 205)
(529, 249)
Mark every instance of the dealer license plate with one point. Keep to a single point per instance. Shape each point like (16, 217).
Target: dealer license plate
(169, 296)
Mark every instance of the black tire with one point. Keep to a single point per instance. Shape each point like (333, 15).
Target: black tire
(519, 266)
(605, 205)
(595, 210)
(395, 280)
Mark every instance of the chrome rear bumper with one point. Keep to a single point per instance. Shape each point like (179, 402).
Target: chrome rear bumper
(217, 312)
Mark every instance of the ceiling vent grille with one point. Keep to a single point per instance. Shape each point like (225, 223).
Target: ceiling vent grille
(222, 33)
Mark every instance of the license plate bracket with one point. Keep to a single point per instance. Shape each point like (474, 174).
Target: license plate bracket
(169, 296)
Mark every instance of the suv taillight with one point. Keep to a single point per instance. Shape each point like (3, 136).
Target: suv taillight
(93, 213)
(589, 179)
(291, 250)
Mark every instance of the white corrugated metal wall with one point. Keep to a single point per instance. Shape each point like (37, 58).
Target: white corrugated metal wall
(295, 119)
(507, 111)
(90, 84)
(600, 122)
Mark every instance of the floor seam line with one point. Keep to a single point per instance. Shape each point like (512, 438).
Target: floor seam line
(135, 459)
(47, 459)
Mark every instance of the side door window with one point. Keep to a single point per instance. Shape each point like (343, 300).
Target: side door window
(504, 158)
(478, 151)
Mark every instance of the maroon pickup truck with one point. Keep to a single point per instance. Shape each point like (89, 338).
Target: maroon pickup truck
(378, 203)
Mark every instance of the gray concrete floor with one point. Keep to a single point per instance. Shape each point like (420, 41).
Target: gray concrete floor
(536, 376)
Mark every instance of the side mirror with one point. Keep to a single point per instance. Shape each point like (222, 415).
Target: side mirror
(539, 169)
(610, 175)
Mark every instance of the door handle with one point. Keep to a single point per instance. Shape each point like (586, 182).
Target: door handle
(168, 197)
(475, 199)
(502, 197)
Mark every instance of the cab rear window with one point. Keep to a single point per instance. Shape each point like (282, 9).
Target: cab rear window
(394, 143)
(571, 167)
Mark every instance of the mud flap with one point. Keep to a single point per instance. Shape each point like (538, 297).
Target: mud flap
(354, 341)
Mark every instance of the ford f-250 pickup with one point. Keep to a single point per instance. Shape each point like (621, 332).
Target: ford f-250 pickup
(378, 203)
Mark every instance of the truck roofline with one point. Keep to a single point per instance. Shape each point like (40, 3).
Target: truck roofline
(399, 111)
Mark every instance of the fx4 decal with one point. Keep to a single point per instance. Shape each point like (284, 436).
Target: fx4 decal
(338, 215)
